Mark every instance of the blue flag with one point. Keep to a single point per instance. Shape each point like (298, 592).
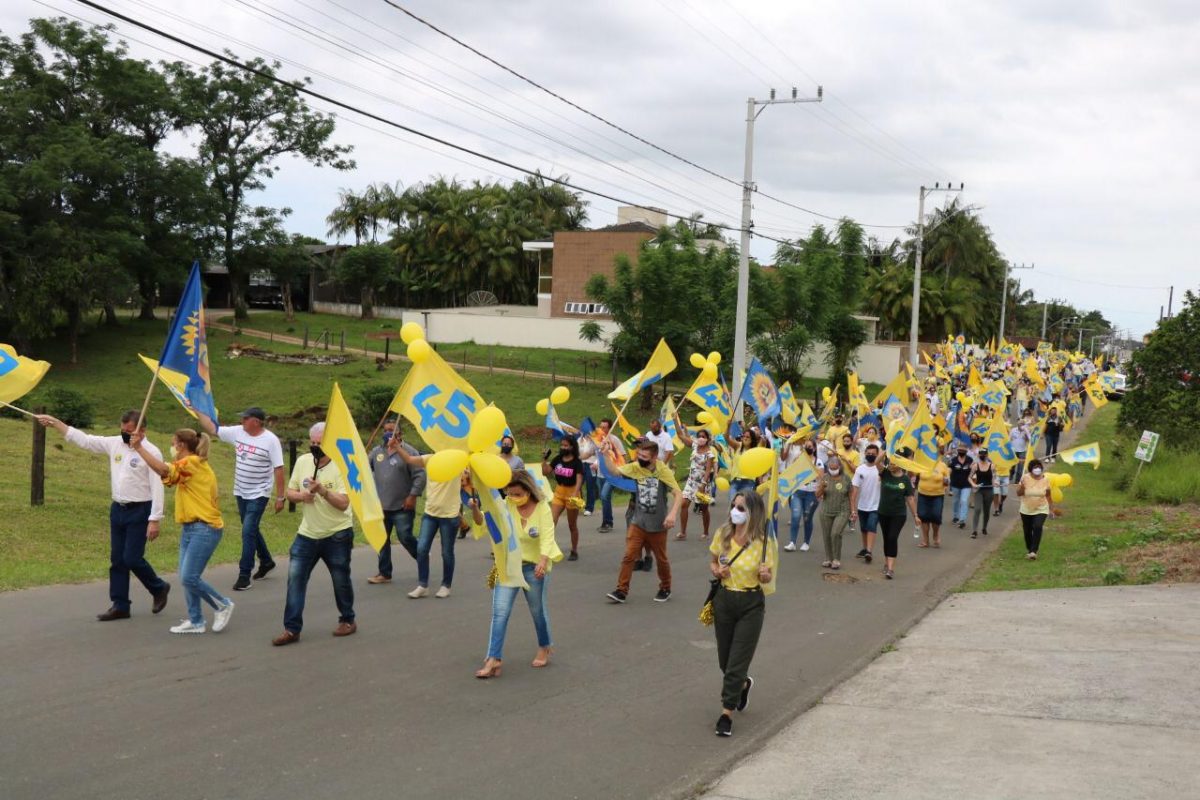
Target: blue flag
(587, 427)
(760, 393)
(186, 350)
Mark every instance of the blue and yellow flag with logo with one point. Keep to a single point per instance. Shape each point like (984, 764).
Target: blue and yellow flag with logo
(186, 350)
(760, 393)
(344, 447)
(712, 396)
(438, 402)
(176, 382)
(662, 363)
(18, 374)
(920, 436)
(788, 408)
(999, 445)
(1083, 454)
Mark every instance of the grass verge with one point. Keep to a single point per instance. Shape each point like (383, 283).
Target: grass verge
(1105, 535)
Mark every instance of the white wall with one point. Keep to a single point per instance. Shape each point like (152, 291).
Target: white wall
(355, 310)
(876, 363)
(485, 326)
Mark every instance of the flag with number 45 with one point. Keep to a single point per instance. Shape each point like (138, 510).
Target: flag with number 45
(438, 402)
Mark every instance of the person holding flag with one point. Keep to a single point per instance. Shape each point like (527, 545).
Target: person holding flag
(743, 558)
(326, 534)
(135, 513)
(895, 494)
(566, 469)
(649, 517)
(197, 513)
(833, 493)
(443, 509)
(702, 471)
(539, 552)
(607, 442)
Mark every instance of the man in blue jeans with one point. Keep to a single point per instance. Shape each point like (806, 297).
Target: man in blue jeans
(326, 534)
(398, 485)
(607, 440)
(960, 484)
(443, 506)
(258, 465)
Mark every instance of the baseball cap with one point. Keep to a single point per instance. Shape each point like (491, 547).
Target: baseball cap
(256, 412)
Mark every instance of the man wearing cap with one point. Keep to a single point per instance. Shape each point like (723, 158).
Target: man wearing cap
(257, 467)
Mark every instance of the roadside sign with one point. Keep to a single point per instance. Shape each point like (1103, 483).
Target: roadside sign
(1146, 446)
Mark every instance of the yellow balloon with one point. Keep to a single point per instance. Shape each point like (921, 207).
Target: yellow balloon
(493, 471)
(709, 373)
(446, 465)
(419, 351)
(410, 332)
(542, 406)
(1056, 494)
(714, 357)
(960, 397)
(704, 418)
(756, 461)
(560, 395)
(826, 394)
(486, 429)
(698, 361)
(1067, 479)
(722, 484)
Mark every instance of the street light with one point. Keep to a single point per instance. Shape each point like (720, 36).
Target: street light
(916, 298)
(753, 109)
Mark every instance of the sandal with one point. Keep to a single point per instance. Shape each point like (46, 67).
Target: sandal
(486, 671)
(937, 542)
(679, 537)
(923, 544)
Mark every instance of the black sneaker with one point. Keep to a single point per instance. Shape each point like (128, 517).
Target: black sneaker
(243, 583)
(867, 556)
(663, 596)
(616, 595)
(862, 553)
(724, 725)
(962, 525)
(605, 528)
(637, 565)
(263, 569)
(648, 564)
(744, 700)
(573, 557)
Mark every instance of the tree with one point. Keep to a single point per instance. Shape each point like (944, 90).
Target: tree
(370, 267)
(247, 121)
(1165, 380)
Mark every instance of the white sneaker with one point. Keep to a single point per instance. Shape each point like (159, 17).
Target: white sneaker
(221, 617)
(587, 513)
(186, 626)
(443, 591)
(790, 547)
(418, 592)
(804, 547)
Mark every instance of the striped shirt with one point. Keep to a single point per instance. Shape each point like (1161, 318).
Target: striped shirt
(256, 460)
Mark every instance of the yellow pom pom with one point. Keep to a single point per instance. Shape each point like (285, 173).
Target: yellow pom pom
(698, 361)
(714, 357)
(542, 406)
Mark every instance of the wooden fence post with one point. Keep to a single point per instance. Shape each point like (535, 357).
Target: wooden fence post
(37, 468)
(553, 371)
(342, 344)
(387, 349)
(305, 345)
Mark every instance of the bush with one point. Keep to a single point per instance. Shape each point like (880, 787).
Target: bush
(1153, 573)
(1114, 575)
(70, 406)
(1165, 376)
(373, 402)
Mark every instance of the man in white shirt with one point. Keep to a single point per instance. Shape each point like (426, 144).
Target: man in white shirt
(666, 446)
(133, 519)
(258, 465)
(864, 499)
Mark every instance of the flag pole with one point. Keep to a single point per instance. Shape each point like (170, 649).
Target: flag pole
(14, 408)
(382, 420)
(146, 402)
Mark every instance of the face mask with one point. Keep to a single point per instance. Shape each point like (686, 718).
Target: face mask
(644, 464)
(870, 458)
(1036, 472)
(506, 449)
(565, 451)
(702, 443)
(983, 456)
(962, 453)
(835, 470)
(387, 437)
(737, 516)
(317, 452)
(173, 453)
(125, 437)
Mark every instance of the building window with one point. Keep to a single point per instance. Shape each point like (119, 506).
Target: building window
(586, 308)
(545, 272)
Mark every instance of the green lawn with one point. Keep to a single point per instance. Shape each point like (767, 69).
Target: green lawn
(1104, 535)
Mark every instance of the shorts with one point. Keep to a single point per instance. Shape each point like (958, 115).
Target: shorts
(868, 521)
(1002, 486)
(929, 508)
(565, 496)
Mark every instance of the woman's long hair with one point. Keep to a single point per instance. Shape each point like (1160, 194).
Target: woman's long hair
(756, 522)
(526, 481)
(572, 445)
(196, 443)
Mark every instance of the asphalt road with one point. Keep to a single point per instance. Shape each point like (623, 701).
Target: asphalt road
(626, 709)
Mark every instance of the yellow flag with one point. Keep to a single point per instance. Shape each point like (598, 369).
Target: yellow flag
(1083, 454)
(629, 434)
(18, 374)
(438, 402)
(999, 446)
(1095, 392)
(908, 465)
(787, 404)
(973, 379)
(921, 436)
(662, 362)
(897, 386)
(713, 397)
(345, 448)
(1032, 372)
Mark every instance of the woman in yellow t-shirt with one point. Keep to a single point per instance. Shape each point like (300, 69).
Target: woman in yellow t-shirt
(744, 559)
(539, 551)
(201, 526)
(1036, 506)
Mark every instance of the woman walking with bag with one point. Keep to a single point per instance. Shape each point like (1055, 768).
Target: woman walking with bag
(539, 551)
(743, 560)
(833, 492)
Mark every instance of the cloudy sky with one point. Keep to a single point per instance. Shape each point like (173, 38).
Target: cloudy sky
(1072, 124)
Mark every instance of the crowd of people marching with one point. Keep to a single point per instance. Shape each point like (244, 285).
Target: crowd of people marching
(965, 433)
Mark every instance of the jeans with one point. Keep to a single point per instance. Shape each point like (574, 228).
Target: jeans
(606, 512)
(1051, 444)
(983, 508)
(591, 487)
(962, 502)
(305, 553)
(868, 521)
(127, 552)
(402, 522)
(737, 622)
(502, 605)
(430, 526)
(802, 504)
(197, 541)
(1019, 470)
(251, 513)
(740, 486)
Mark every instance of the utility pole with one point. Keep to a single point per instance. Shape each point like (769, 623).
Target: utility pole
(1170, 301)
(753, 109)
(1044, 307)
(1004, 294)
(913, 357)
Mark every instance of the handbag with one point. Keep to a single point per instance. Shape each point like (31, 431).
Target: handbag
(706, 611)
